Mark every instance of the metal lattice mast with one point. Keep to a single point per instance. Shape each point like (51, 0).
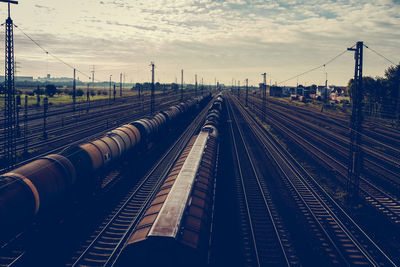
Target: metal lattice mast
(9, 99)
(355, 156)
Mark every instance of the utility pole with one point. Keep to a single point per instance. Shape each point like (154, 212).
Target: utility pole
(26, 125)
(195, 85)
(238, 90)
(264, 95)
(152, 89)
(87, 98)
(74, 91)
(202, 87)
(9, 103)
(120, 85)
(92, 75)
(247, 91)
(109, 92)
(325, 93)
(182, 85)
(114, 92)
(355, 156)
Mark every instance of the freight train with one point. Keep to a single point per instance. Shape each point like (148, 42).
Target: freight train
(175, 229)
(39, 186)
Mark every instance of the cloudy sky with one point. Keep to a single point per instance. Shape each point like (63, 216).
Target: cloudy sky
(214, 38)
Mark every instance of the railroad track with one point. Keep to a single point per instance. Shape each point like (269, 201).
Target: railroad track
(377, 165)
(54, 112)
(343, 120)
(11, 254)
(104, 245)
(70, 123)
(373, 134)
(342, 239)
(340, 133)
(384, 202)
(86, 131)
(266, 241)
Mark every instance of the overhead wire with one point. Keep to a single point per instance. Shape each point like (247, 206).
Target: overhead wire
(51, 54)
(379, 54)
(318, 67)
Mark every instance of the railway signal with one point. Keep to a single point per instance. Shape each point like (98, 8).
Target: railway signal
(355, 156)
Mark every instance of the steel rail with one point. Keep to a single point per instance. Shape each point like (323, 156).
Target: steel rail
(251, 160)
(262, 135)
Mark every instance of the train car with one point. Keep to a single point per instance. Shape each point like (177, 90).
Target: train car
(171, 113)
(40, 184)
(29, 189)
(145, 128)
(175, 229)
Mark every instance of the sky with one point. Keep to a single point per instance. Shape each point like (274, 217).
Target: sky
(215, 39)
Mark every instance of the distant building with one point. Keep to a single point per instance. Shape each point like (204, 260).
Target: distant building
(279, 91)
(54, 80)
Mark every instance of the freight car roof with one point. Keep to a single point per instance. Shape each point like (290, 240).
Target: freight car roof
(168, 222)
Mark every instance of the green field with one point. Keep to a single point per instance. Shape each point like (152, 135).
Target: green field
(63, 98)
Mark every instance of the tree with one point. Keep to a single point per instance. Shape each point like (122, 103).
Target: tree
(79, 92)
(50, 90)
(381, 95)
(174, 86)
(392, 99)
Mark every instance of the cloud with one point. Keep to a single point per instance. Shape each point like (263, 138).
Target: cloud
(46, 8)
(280, 37)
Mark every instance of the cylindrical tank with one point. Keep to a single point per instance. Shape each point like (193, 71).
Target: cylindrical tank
(31, 188)
(116, 146)
(133, 133)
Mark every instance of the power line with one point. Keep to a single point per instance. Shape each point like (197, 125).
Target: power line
(51, 54)
(379, 54)
(318, 67)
